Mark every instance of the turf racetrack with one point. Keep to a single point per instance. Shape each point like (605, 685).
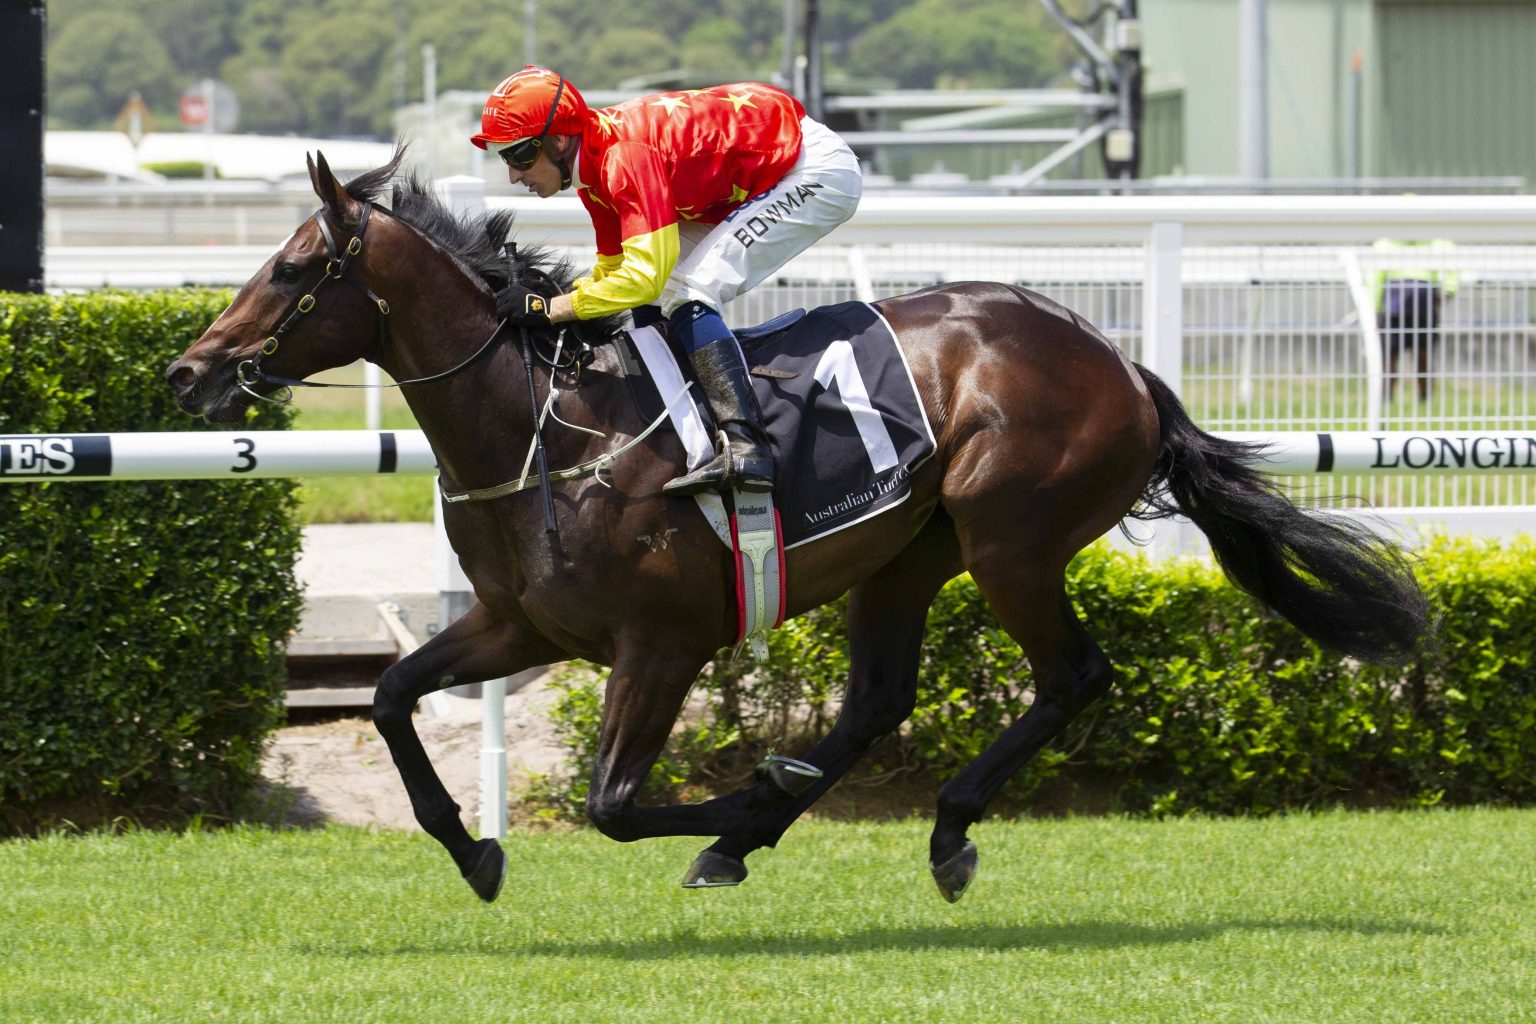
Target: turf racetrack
(1383, 917)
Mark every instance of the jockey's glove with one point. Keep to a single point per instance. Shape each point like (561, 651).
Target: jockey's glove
(535, 313)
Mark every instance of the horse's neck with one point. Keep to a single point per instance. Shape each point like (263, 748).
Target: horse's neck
(480, 421)
(472, 418)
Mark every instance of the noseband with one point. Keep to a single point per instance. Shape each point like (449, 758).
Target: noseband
(249, 371)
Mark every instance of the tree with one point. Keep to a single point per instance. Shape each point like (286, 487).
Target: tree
(478, 43)
(956, 44)
(266, 104)
(622, 53)
(262, 26)
(198, 35)
(717, 44)
(334, 72)
(96, 62)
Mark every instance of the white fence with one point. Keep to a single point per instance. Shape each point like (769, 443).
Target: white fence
(1257, 309)
(270, 454)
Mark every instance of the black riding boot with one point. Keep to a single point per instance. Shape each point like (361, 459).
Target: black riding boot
(746, 461)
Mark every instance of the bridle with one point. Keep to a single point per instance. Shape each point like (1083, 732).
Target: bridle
(249, 372)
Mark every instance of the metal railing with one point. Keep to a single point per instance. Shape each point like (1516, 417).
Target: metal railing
(1257, 309)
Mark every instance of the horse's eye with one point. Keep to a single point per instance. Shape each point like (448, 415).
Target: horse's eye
(286, 272)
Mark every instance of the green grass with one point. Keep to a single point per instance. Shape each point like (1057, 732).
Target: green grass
(358, 499)
(1338, 918)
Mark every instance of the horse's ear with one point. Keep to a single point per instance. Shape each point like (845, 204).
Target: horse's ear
(331, 191)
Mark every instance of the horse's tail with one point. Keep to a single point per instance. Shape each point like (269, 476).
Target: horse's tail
(1333, 579)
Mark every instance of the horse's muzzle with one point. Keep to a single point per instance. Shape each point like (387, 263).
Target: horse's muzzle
(197, 391)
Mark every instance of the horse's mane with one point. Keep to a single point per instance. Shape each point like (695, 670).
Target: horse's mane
(476, 241)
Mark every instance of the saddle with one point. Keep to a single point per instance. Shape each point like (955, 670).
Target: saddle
(838, 402)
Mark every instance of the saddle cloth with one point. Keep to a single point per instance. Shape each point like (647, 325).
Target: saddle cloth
(840, 407)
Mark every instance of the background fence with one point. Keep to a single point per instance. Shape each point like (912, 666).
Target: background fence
(1258, 310)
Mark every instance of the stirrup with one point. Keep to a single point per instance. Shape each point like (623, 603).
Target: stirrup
(723, 472)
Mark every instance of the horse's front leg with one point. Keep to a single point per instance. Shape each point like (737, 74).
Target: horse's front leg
(474, 648)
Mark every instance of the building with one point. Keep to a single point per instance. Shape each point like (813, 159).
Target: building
(1373, 88)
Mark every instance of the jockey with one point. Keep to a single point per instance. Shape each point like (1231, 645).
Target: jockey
(695, 198)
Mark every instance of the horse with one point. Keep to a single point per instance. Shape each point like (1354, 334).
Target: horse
(1047, 437)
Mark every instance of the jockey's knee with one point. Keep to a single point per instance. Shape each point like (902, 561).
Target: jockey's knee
(698, 324)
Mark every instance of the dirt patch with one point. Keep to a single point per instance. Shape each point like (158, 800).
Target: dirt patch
(341, 771)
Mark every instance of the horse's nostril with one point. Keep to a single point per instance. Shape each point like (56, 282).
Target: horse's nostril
(181, 377)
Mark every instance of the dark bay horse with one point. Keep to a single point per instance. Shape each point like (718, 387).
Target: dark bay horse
(1047, 437)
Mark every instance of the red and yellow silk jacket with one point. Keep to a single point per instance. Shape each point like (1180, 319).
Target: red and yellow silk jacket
(649, 163)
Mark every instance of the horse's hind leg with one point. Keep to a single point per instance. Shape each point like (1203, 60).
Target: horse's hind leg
(474, 648)
(1070, 672)
(886, 614)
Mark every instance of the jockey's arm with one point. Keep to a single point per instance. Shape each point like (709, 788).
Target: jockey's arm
(637, 239)
(648, 260)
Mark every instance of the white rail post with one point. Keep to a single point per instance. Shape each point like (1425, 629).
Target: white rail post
(372, 398)
(1370, 339)
(1162, 339)
(1162, 305)
(493, 759)
(858, 266)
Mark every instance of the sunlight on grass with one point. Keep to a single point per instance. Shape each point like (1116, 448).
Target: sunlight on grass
(1338, 917)
(352, 499)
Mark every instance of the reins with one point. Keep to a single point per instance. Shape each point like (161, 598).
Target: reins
(250, 372)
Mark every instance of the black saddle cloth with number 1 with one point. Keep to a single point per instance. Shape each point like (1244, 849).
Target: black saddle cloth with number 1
(842, 415)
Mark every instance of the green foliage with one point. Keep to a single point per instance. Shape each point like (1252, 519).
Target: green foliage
(341, 89)
(339, 66)
(141, 624)
(180, 168)
(962, 44)
(1218, 707)
(98, 60)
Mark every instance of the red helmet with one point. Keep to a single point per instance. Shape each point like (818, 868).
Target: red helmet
(520, 108)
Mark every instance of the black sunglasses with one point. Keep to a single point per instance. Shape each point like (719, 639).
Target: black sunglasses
(521, 156)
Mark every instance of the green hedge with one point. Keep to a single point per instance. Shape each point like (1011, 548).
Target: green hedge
(181, 169)
(1217, 707)
(141, 623)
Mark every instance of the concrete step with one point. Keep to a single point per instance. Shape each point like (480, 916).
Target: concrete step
(302, 648)
(330, 697)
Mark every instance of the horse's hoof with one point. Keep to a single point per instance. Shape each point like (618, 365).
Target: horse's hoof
(489, 872)
(955, 873)
(791, 776)
(713, 870)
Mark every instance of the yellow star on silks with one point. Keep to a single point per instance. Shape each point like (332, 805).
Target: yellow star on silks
(682, 211)
(739, 100)
(671, 103)
(607, 122)
(738, 193)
